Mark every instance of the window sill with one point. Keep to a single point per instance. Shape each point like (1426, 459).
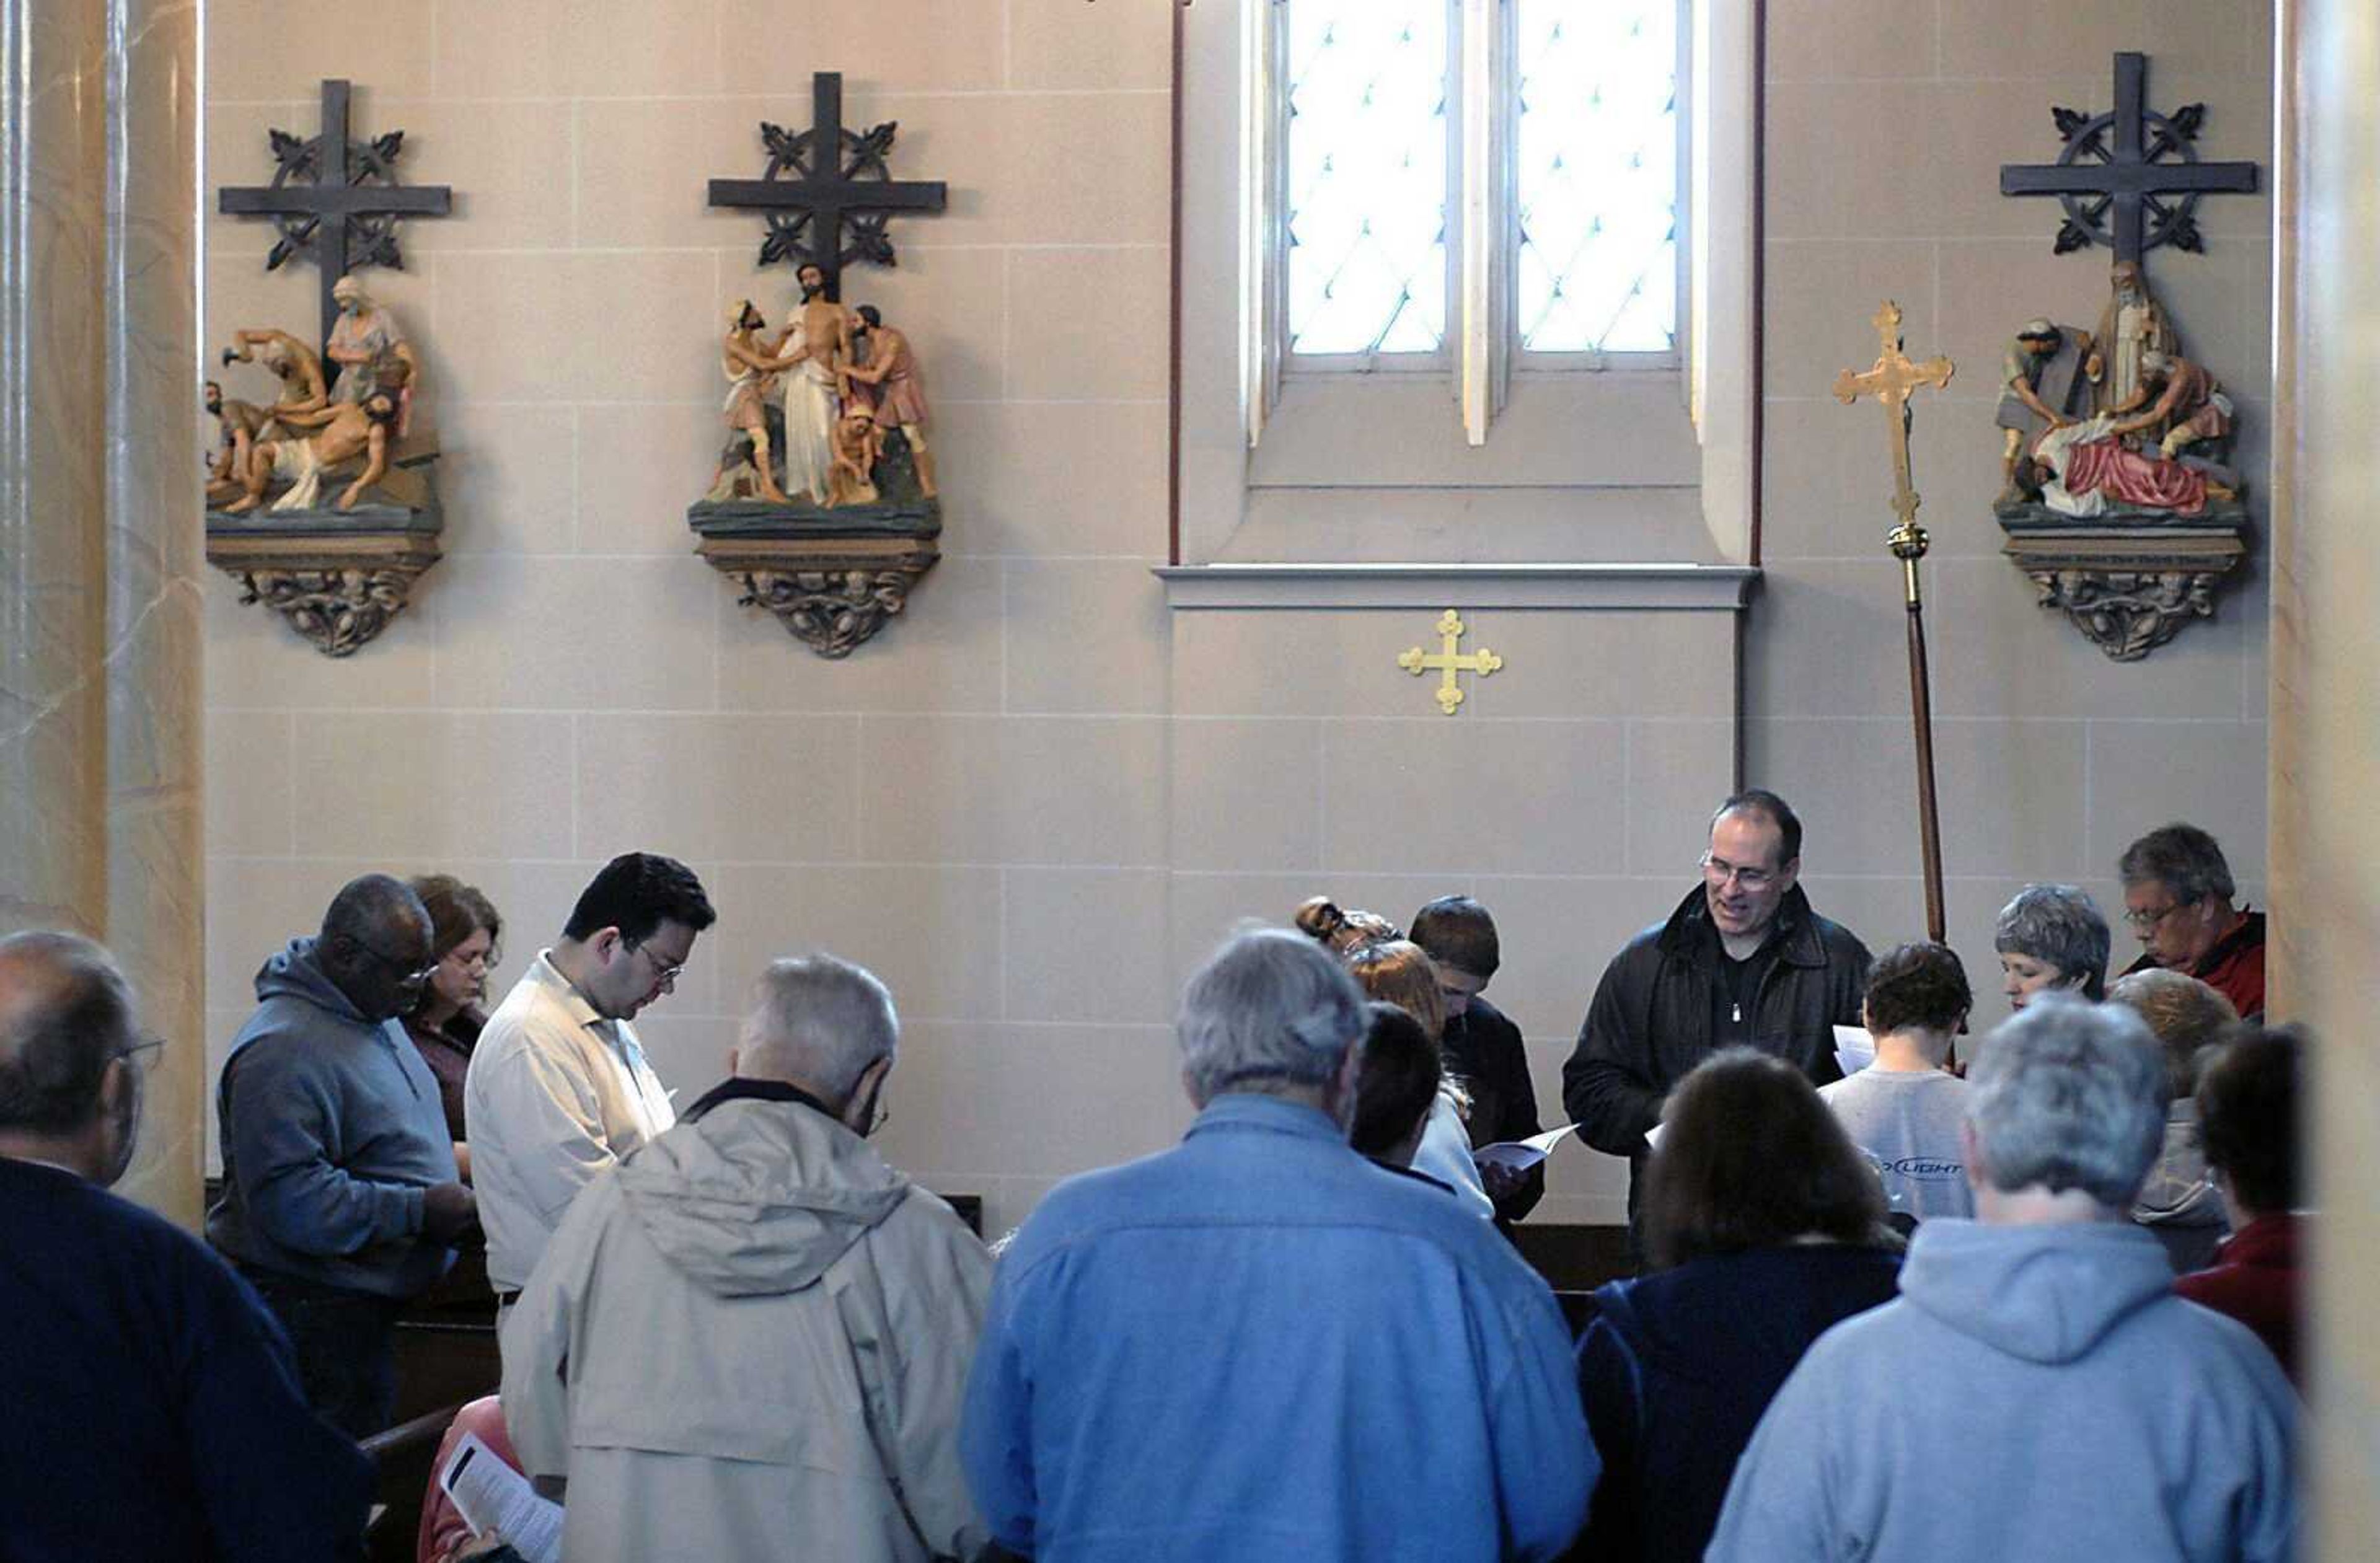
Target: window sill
(1671, 587)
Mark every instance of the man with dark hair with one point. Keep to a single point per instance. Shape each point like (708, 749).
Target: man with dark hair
(1742, 962)
(1904, 1110)
(2247, 1103)
(153, 1410)
(340, 1194)
(1482, 1048)
(558, 1087)
(2178, 892)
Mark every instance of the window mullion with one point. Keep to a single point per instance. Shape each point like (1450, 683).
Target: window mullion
(1475, 356)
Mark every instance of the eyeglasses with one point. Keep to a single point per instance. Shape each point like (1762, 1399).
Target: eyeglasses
(2143, 920)
(145, 1052)
(1719, 872)
(665, 972)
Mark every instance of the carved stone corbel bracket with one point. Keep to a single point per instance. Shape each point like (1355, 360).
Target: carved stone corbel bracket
(832, 583)
(337, 587)
(2128, 589)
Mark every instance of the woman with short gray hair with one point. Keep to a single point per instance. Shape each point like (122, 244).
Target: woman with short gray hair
(2051, 938)
(2069, 1096)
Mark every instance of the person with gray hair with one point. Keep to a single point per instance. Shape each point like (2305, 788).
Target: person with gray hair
(2179, 1201)
(2178, 900)
(2174, 1428)
(341, 1197)
(2051, 938)
(753, 1329)
(1350, 1364)
(153, 1406)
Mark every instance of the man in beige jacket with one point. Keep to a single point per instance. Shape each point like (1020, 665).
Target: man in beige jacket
(753, 1334)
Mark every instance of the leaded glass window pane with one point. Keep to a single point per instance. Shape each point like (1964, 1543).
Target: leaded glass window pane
(1366, 148)
(1597, 160)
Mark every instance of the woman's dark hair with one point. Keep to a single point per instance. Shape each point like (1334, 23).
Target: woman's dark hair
(1458, 932)
(457, 910)
(1750, 1158)
(1396, 1083)
(1343, 932)
(2248, 1118)
(1920, 985)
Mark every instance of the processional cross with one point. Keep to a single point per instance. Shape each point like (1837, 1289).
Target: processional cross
(2128, 176)
(1890, 380)
(335, 201)
(1445, 660)
(828, 191)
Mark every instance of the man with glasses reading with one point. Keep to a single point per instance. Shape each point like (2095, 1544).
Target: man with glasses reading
(1742, 962)
(2178, 901)
(340, 1196)
(558, 1088)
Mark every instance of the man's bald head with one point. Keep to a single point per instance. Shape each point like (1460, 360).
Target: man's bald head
(65, 1013)
(375, 945)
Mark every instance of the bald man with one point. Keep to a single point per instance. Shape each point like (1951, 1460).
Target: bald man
(754, 1328)
(154, 1409)
(340, 1194)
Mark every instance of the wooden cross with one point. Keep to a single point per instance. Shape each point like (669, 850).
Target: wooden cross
(1890, 380)
(1449, 629)
(2128, 176)
(325, 208)
(827, 192)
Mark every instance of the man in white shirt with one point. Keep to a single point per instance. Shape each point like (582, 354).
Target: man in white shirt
(558, 1088)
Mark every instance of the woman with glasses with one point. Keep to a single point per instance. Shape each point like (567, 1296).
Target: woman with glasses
(465, 931)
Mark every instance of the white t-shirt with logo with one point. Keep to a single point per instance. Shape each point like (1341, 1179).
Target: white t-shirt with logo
(1907, 1122)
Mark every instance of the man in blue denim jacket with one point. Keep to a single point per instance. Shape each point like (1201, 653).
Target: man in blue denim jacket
(1259, 1345)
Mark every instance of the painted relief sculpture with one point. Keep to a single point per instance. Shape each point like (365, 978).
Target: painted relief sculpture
(823, 502)
(2119, 492)
(320, 500)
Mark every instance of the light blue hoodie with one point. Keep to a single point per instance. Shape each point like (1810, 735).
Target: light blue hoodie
(2036, 1392)
(331, 1129)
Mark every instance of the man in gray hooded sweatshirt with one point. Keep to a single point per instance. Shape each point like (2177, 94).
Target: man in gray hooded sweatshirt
(750, 1339)
(2037, 1391)
(340, 1198)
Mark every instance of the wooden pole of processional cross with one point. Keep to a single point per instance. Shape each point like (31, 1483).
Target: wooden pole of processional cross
(1890, 380)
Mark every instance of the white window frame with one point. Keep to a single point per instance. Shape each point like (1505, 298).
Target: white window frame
(1481, 347)
(1233, 376)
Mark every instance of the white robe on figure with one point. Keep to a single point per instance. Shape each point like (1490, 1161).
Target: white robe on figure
(810, 408)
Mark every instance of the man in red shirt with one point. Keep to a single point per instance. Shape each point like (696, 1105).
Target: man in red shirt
(2178, 894)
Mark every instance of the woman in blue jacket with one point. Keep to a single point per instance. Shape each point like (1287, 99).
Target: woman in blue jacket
(1764, 1227)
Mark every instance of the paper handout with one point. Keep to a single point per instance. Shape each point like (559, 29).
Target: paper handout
(1855, 1048)
(492, 1496)
(1519, 1156)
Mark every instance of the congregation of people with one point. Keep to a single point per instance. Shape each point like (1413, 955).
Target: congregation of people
(1900, 1290)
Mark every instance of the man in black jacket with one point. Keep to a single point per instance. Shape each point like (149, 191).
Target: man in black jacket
(1742, 962)
(1482, 1048)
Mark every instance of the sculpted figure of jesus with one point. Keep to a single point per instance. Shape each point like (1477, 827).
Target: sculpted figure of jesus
(348, 430)
(820, 346)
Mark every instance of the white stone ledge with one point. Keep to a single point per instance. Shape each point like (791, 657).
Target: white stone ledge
(1677, 588)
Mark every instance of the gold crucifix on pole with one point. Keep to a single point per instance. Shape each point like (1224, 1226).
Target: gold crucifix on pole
(1449, 629)
(1890, 380)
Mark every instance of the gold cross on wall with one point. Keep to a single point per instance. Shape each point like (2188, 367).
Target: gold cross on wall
(1890, 380)
(1449, 629)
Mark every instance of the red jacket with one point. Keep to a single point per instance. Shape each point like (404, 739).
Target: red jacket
(2254, 1279)
(2235, 967)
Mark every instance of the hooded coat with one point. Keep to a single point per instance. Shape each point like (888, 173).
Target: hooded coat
(2179, 1203)
(2035, 1392)
(752, 1340)
(331, 1130)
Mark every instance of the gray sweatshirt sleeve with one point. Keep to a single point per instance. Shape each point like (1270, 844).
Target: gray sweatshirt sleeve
(280, 1115)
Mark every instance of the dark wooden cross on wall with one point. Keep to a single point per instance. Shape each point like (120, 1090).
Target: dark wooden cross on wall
(335, 201)
(2112, 162)
(827, 191)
